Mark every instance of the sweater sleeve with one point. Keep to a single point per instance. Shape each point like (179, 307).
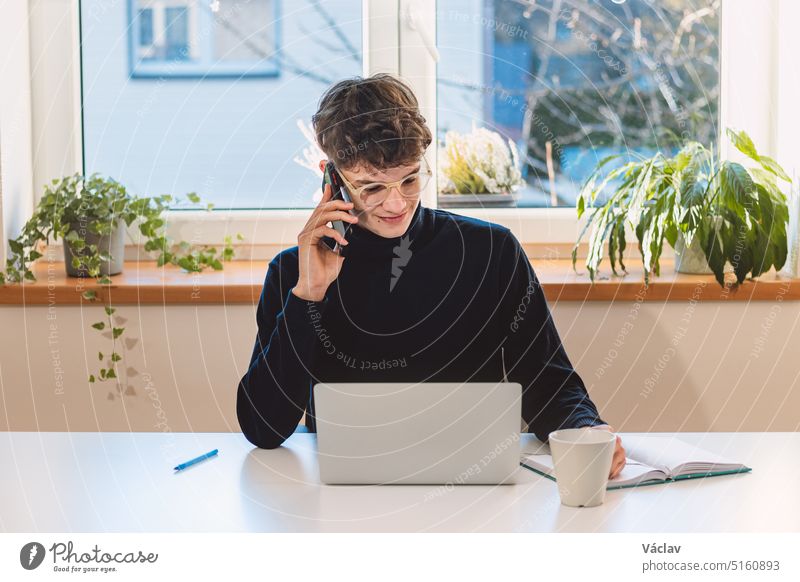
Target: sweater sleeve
(273, 394)
(553, 394)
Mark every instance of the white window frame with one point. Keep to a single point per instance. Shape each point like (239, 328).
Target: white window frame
(752, 35)
(201, 62)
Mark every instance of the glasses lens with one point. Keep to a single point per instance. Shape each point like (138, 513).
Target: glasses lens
(414, 184)
(375, 194)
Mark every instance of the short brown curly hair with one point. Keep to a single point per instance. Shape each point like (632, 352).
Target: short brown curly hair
(371, 122)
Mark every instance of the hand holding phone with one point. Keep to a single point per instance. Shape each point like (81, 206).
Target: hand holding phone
(318, 264)
(339, 192)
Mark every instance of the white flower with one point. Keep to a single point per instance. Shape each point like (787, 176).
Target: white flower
(312, 154)
(478, 162)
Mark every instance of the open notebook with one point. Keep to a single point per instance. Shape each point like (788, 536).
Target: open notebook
(650, 460)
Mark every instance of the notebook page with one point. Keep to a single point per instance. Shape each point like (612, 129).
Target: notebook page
(669, 452)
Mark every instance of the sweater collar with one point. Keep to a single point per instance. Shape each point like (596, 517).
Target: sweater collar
(365, 243)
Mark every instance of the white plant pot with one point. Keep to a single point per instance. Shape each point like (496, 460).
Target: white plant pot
(691, 260)
(486, 200)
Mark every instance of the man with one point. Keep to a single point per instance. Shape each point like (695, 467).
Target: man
(419, 295)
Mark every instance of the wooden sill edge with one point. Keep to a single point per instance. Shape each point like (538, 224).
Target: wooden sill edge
(143, 283)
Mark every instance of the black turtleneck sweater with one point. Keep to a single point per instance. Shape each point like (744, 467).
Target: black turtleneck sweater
(454, 299)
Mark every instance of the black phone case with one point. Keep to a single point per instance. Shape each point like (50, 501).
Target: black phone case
(339, 193)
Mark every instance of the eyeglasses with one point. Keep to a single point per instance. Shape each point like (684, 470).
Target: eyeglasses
(375, 193)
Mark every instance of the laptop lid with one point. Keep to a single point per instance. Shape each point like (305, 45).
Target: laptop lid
(424, 433)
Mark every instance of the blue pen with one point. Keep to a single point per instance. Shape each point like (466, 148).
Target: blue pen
(182, 466)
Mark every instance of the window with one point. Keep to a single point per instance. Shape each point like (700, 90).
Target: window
(184, 38)
(177, 99)
(145, 28)
(573, 81)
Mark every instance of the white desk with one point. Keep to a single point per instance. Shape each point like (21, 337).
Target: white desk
(118, 482)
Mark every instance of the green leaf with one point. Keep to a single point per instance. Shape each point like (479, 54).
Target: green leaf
(612, 249)
(621, 243)
(188, 264)
(711, 239)
(104, 280)
(115, 357)
(193, 197)
(737, 185)
(109, 310)
(743, 143)
(111, 373)
(89, 295)
(99, 325)
(692, 190)
(16, 247)
(100, 356)
(773, 167)
(91, 378)
(117, 331)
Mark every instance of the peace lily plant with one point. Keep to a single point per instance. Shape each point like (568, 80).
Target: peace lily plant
(736, 215)
(86, 213)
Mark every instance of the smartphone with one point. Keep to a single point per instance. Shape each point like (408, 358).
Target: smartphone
(331, 176)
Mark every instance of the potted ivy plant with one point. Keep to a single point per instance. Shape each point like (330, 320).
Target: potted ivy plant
(478, 169)
(713, 212)
(90, 215)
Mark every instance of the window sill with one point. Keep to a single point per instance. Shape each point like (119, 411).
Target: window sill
(143, 283)
(279, 227)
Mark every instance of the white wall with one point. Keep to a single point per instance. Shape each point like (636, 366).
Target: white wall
(55, 86)
(677, 366)
(16, 170)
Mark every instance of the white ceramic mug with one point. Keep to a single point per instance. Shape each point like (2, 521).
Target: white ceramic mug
(582, 461)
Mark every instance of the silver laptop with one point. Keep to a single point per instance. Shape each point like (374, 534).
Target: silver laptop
(426, 433)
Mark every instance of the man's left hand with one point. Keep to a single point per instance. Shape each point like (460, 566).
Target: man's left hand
(618, 460)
